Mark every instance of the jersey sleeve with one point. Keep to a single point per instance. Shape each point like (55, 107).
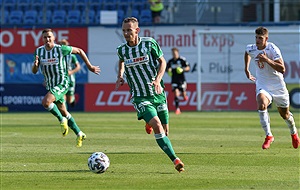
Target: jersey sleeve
(275, 51)
(155, 49)
(66, 50)
(119, 53)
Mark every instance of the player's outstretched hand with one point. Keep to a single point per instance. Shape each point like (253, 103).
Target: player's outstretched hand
(95, 69)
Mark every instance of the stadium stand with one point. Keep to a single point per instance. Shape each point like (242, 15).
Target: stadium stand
(59, 16)
(37, 5)
(95, 5)
(146, 16)
(30, 17)
(9, 5)
(121, 15)
(15, 17)
(23, 4)
(80, 5)
(73, 17)
(88, 17)
(67, 4)
(109, 4)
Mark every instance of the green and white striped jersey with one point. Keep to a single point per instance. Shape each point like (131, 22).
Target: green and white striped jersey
(141, 65)
(71, 61)
(53, 65)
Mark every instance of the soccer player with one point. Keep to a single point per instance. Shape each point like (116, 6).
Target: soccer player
(73, 67)
(176, 68)
(270, 85)
(141, 61)
(50, 58)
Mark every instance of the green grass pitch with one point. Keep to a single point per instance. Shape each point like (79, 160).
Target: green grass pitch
(221, 150)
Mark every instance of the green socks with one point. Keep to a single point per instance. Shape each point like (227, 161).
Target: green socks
(55, 111)
(165, 144)
(72, 124)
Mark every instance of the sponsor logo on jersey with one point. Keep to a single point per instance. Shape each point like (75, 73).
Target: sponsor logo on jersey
(52, 61)
(136, 61)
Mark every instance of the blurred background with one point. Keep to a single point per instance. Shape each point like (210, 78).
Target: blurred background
(211, 34)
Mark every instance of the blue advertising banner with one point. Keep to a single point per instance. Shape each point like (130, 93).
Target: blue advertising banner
(28, 97)
(17, 69)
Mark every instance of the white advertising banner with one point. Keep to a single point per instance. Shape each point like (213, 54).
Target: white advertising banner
(222, 54)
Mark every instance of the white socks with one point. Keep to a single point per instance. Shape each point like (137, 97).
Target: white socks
(265, 121)
(291, 124)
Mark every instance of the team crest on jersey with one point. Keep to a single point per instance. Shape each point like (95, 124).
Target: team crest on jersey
(144, 50)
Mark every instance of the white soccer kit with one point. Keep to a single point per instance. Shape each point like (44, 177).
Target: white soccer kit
(269, 81)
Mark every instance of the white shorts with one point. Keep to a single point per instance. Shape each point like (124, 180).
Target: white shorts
(280, 97)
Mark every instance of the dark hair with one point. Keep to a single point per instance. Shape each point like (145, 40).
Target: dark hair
(47, 30)
(261, 31)
(130, 19)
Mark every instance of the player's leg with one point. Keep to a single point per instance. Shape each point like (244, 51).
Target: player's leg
(183, 91)
(263, 100)
(283, 109)
(176, 99)
(72, 123)
(148, 112)
(48, 104)
(71, 95)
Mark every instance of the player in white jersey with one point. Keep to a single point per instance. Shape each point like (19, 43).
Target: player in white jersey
(50, 59)
(141, 61)
(270, 85)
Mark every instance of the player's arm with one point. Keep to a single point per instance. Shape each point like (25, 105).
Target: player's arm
(247, 60)
(186, 68)
(160, 74)
(81, 53)
(120, 79)
(278, 64)
(35, 66)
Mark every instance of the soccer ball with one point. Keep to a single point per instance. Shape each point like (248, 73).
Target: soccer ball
(98, 162)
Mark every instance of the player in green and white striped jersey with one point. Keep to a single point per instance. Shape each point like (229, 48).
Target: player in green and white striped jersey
(141, 61)
(73, 66)
(50, 59)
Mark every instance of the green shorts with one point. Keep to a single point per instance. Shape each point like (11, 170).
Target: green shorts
(71, 90)
(59, 92)
(149, 107)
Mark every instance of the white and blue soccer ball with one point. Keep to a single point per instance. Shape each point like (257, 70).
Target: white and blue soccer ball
(98, 162)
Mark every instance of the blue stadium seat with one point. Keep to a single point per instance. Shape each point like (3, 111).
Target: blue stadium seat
(37, 5)
(91, 17)
(139, 4)
(96, 5)
(135, 13)
(59, 16)
(124, 5)
(97, 17)
(109, 4)
(9, 5)
(146, 16)
(24, 4)
(52, 5)
(73, 17)
(15, 17)
(80, 5)
(121, 16)
(5, 17)
(30, 17)
(47, 15)
(67, 4)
